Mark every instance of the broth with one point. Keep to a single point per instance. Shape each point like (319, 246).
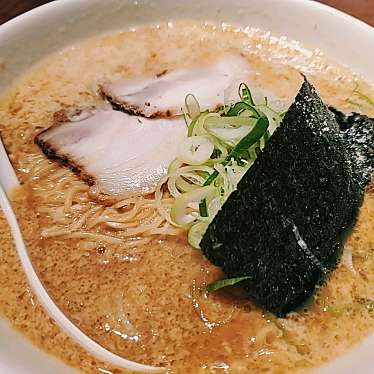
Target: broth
(143, 296)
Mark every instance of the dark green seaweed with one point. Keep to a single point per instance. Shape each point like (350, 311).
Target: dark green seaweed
(358, 132)
(285, 224)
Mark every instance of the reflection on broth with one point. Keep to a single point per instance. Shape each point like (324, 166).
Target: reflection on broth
(112, 270)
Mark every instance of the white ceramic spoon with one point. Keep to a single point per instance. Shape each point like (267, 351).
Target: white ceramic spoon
(8, 181)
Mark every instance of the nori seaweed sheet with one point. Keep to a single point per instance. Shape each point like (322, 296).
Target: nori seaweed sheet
(285, 224)
(358, 132)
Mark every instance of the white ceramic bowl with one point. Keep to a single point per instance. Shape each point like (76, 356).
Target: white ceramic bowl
(29, 37)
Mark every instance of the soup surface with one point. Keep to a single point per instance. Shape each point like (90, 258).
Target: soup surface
(142, 294)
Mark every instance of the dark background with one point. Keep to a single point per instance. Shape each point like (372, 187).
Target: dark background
(362, 9)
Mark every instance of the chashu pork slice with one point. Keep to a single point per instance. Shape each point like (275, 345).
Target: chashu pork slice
(164, 95)
(118, 154)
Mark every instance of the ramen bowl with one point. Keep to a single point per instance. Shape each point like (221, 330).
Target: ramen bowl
(36, 34)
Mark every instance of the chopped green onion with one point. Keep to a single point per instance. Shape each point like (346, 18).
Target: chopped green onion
(180, 210)
(192, 106)
(362, 96)
(232, 121)
(240, 107)
(203, 209)
(196, 232)
(204, 174)
(195, 150)
(225, 282)
(253, 137)
(353, 103)
(245, 94)
(211, 178)
(266, 136)
(219, 149)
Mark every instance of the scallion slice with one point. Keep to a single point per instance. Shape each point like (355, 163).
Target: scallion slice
(225, 283)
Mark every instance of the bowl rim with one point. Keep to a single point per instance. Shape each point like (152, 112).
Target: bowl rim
(54, 6)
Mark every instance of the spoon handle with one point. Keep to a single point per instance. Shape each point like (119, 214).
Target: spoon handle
(8, 178)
